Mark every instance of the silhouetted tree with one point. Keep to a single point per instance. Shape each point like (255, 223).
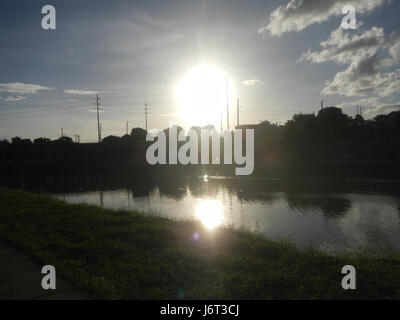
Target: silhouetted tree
(16, 140)
(334, 124)
(139, 134)
(4, 143)
(65, 140)
(330, 134)
(303, 128)
(41, 140)
(111, 140)
(387, 126)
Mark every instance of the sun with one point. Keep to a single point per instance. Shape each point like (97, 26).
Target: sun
(202, 96)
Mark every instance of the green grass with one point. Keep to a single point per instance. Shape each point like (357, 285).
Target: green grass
(111, 254)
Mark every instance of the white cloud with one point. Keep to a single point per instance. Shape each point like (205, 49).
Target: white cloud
(252, 82)
(343, 48)
(394, 51)
(80, 92)
(367, 56)
(363, 78)
(370, 57)
(300, 14)
(371, 107)
(369, 102)
(21, 88)
(15, 98)
(382, 109)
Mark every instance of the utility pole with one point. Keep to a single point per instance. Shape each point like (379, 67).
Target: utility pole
(227, 103)
(100, 132)
(98, 117)
(127, 127)
(62, 132)
(145, 112)
(322, 104)
(237, 112)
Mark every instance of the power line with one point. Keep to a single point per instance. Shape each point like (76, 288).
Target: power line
(237, 115)
(145, 112)
(98, 117)
(77, 138)
(227, 103)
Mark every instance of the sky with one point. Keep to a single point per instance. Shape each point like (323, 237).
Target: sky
(281, 58)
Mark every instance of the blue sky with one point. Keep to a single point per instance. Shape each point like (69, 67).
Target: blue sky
(136, 51)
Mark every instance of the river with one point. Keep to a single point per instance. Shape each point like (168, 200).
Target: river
(332, 216)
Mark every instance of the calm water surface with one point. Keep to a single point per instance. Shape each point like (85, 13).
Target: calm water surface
(330, 219)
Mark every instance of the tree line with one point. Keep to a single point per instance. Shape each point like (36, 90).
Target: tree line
(329, 134)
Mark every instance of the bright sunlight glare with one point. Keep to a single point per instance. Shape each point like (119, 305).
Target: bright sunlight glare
(209, 212)
(202, 96)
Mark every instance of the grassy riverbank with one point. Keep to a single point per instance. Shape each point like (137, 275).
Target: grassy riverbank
(126, 255)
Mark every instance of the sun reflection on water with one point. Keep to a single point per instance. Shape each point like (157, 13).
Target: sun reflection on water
(209, 212)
